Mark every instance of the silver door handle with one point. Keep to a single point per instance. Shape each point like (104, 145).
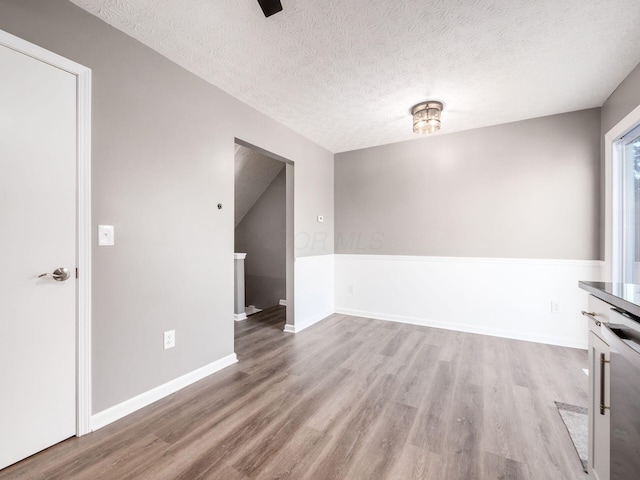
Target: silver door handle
(59, 274)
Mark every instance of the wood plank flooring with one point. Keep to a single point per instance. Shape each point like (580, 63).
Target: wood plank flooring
(349, 398)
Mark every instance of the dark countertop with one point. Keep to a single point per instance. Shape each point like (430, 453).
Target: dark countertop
(625, 296)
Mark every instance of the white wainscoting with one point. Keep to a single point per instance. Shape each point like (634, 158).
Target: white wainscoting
(314, 291)
(493, 296)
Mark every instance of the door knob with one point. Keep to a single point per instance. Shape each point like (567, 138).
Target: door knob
(59, 274)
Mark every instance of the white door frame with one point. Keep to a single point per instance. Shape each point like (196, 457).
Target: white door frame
(83, 199)
(290, 229)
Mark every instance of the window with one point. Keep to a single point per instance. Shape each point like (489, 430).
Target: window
(627, 173)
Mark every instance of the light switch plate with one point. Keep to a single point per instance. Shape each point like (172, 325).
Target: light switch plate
(106, 235)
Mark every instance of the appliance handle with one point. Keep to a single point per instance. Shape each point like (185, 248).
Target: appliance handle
(603, 363)
(592, 316)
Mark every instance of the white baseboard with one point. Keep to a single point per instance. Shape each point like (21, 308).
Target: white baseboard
(238, 317)
(460, 327)
(312, 321)
(283, 302)
(297, 328)
(127, 407)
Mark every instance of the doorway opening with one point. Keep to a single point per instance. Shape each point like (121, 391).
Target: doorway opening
(263, 238)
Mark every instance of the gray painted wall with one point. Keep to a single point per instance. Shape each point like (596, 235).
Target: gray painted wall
(254, 172)
(262, 236)
(163, 158)
(622, 101)
(527, 189)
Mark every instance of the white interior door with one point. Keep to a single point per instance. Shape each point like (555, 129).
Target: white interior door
(38, 124)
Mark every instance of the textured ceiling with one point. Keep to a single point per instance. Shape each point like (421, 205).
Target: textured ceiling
(254, 172)
(345, 73)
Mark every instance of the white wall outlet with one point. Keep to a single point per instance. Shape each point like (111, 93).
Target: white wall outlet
(106, 235)
(349, 288)
(555, 307)
(320, 218)
(169, 339)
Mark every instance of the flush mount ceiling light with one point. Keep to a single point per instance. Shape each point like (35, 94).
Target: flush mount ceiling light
(426, 116)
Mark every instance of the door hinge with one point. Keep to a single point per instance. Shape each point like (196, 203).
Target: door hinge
(77, 274)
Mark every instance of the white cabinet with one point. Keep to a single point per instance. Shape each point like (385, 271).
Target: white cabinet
(599, 415)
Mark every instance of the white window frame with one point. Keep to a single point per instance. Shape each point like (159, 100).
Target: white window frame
(613, 210)
(620, 221)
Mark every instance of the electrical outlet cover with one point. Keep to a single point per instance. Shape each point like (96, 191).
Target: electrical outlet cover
(169, 339)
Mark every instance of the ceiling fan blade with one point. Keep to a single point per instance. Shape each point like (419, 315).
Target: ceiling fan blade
(270, 7)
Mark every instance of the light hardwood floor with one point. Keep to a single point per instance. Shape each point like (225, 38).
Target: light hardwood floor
(349, 398)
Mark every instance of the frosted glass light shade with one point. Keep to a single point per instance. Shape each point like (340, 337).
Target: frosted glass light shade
(426, 117)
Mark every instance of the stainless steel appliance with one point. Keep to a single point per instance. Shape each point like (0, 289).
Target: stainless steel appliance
(623, 335)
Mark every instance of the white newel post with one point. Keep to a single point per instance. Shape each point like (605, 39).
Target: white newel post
(238, 287)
